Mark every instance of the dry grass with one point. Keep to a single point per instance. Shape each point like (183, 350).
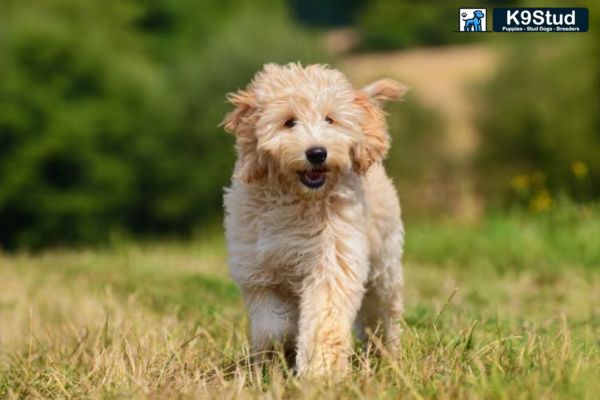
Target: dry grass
(164, 321)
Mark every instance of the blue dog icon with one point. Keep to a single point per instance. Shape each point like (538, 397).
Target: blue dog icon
(474, 24)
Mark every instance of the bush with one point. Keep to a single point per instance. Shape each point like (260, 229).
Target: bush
(540, 123)
(109, 112)
(397, 24)
(389, 24)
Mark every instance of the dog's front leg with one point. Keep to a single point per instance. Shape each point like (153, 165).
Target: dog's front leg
(330, 298)
(273, 320)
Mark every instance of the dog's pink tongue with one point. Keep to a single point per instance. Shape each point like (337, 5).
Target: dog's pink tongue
(314, 175)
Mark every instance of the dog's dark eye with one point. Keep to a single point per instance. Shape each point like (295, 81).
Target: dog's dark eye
(290, 123)
(329, 120)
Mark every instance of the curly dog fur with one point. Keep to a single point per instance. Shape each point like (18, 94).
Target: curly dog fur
(314, 248)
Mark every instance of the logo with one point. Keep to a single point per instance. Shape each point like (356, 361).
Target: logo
(472, 20)
(541, 19)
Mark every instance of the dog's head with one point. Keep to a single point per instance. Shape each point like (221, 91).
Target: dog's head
(478, 14)
(304, 126)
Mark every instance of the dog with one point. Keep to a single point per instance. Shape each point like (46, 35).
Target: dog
(474, 24)
(313, 224)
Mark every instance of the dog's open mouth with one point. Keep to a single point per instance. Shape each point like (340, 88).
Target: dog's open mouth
(313, 178)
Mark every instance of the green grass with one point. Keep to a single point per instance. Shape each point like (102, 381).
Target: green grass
(507, 308)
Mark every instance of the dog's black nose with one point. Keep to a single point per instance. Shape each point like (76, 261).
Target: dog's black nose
(316, 155)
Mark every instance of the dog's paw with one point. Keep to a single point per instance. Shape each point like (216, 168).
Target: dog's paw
(326, 366)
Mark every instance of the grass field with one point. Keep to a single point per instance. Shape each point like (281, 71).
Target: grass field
(508, 308)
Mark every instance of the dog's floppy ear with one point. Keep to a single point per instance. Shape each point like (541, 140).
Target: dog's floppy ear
(385, 90)
(375, 142)
(242, 123)
(375, 138)
(244, 103)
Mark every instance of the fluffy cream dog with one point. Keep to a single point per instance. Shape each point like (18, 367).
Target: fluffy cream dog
(312, 221)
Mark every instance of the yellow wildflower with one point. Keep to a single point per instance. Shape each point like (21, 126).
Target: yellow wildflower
(520, 183)
(580, 169)
(541, 202)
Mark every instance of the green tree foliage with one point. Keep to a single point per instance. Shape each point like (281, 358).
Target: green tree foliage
(393, 24)
(389, 24)
(109, 111)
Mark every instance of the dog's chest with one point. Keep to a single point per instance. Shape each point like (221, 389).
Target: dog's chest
(289, 238)
(275, 239)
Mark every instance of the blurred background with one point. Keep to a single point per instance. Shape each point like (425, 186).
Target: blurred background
(109, 110)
